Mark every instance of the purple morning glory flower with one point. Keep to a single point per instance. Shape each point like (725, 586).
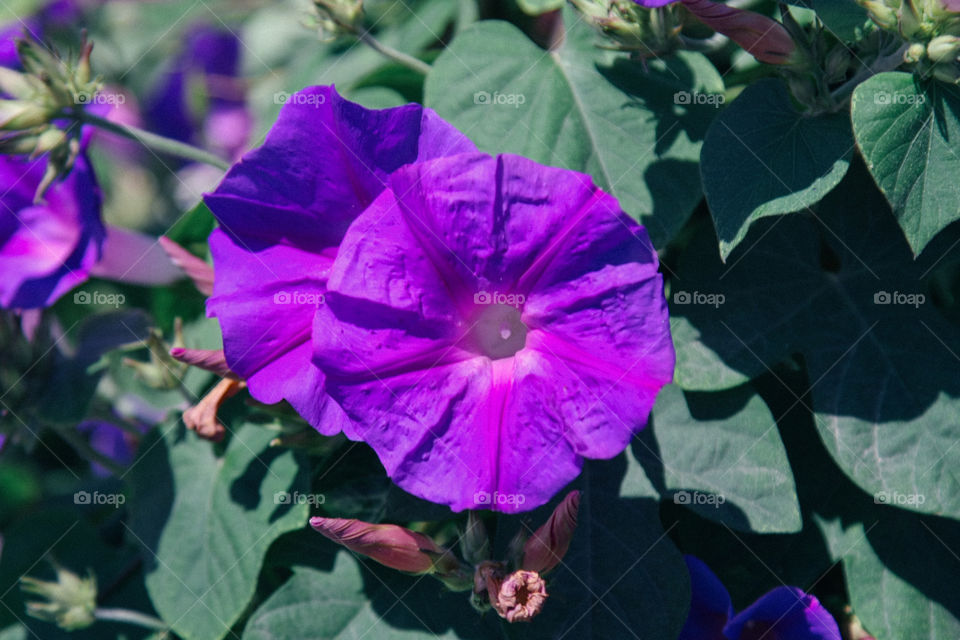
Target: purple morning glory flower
(283, 210)
(785, 613)
(111, 441)
(208, 70)
(490, 322)
(49, 247)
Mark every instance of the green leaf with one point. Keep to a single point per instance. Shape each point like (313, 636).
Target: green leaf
(721, 454)
(843, 290)
(291, 613)
(585, 109)
(894, 590)
(622, 576)
(762, 157)
(206, 522)
(845, 19)
(907, 133)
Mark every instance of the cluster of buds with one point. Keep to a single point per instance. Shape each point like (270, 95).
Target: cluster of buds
(932, 29)
(514, 588)
(338, 17)
(628, 27)
(70, 602)
(49, 88)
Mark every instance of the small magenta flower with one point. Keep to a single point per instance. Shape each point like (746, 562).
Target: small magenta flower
(489, 323)
(283, 210)
(389, 544)
(785, 613)
(521, 596)
(764, 38)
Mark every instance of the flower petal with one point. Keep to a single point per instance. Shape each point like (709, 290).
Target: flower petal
(710, 606)
(786, 613)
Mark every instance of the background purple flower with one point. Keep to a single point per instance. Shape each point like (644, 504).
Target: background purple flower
(283, 210)
(201, 98)
(490, 323)
(49, 247)
(785, 613)
(109, 440)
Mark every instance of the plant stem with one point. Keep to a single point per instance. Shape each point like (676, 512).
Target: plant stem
(131, 617)
(881, 64)
(152, 140)
(397, 56)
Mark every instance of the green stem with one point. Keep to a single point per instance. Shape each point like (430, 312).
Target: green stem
(881, 64)
(131, 617)
(397, 56)
(152, 140)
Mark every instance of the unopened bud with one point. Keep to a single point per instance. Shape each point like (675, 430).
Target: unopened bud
(837, 63)
(946, 72)
(909, 22)
(884, 16)
(389, 544)
(549, 544)
(475, 542)
(943, 48)
(202, 417)
(196, 269)
(914, 53)
(21, 114)
(69, 603)
(19, 85)
(338, 17)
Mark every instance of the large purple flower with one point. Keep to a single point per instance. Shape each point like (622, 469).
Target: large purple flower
(786, 613)
(48, 247)
(490, 323)
(283, 210)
